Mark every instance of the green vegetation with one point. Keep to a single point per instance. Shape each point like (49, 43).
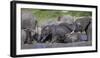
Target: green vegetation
(44, 15)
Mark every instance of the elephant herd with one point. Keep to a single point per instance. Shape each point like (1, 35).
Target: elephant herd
(66, 29)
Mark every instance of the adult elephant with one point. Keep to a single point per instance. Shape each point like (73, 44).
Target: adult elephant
(66, 19)
(54, 33)
(58, 32)
(82, 23)
(28, 24)
(84, 26)
(69, 23)
(28, 20)
(89, 32)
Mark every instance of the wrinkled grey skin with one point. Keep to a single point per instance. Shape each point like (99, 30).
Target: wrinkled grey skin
(89, 32)
(27, 20)
(28, 24)
(63, 31)
(65, 25)
(46, 33)
(66, 19)
(23, 36)
(54, 33)
(71, 25)
(84, 25)
(72, 36)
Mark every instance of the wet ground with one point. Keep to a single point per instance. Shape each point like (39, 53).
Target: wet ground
(55, 45)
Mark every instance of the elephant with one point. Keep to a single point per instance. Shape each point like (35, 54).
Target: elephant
(56, 33)
(28, 20)
(28, 24)
(28, 38)
(71, 36)
(23, 36)
(89, 32)
(74, 37)
(83, 25)
(66, 19)
(46, 33)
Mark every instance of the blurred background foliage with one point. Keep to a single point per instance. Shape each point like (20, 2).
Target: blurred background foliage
(44, 15)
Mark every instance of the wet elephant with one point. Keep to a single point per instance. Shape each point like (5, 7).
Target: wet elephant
(66, 19)
(83, 25)
(70, 24)
(89, 32)
(28, 20)
(71, 36)
(28, 24)
(64, 25)
(46, 34)
(56, 33)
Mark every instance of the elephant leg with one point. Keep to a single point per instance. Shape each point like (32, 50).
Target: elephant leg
(28, 38)
(89, 35)
(89, 32)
